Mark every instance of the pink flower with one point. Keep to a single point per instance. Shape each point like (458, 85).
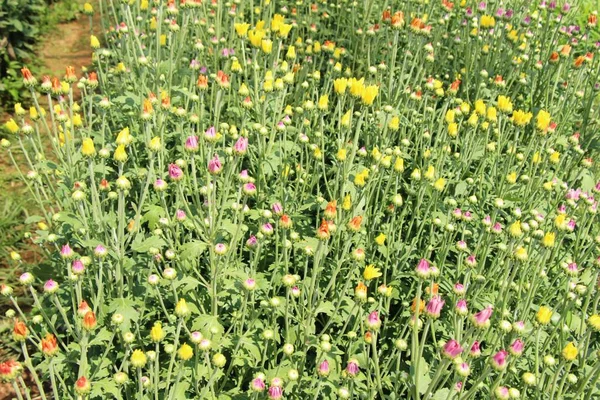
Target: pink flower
(180, 215)
(275, 392)
(175, 173)
(475, 349)
(249, 189)
(352, 368)
(461, 307)
(499, 361)
(50, 286)
(214, 165)
(323, 369)
(452, 349)
(423, 270)
(434, 307)
(257, 385)
(100, 251)
(482, 318)
(191, 143)
(210, 134)
(458, 386)
(241, 145)
(459, 289)
(252, 242)
(516, 348)
(77, 267)
(66, 251)
(277, 208)
(373, 321)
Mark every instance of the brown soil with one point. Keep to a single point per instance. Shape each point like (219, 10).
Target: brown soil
(67, 45)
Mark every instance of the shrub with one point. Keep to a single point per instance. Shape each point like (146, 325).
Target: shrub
(318, 201)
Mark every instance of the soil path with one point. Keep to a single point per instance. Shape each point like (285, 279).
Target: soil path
(67, 45)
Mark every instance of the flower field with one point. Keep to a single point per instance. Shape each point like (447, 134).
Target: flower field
(267, 199)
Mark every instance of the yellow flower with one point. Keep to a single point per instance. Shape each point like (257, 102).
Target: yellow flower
(33, 114)
(544, 315)
(570, 352)
(548, 239)
(399, 164)
(561, 221)
(19, 110)
(480, 107)
(594, 322)
(473, 119)
(369, 94)
(521, 253)
(380, 240)
(94, 42)
(345, 121)
(120, 154)
(284, 30)
(511, 178)
(156, 333)
(341, 154)
(153, 23)
(185, 352)
(450, 114)
(241, 29)
(236, 66)
(521, 118)
(394, 123)
(347, 203)
(439, 184)
(12, 126)
(340, 85)
(453, 129)
(515, 229)
(430, 173)
(487, 21)
(163, 40)
(77, 120)
(138, 358)
(357, 86)
(181, 308)
(88, 8)
(276, 22)
(155, 144)
(555, 157)
(492, 114)
(536, 158)
(144, 5)
(465, 107)
(504, 104)
(323, 103)
(371, 272)
(361, 177)
(267, 46)
(291, 52)
(124, 138)
(542, 120)
(256, 37)
(87, 147)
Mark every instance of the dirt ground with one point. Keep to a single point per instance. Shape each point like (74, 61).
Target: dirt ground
(67, 45)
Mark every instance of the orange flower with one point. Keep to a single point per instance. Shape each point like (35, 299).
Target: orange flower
(360, 291)
(83, 308)
(554, 57)
(565, 50)
(434, 289)
(19, 330)
(414, 305)
(398, 20)
(70, 74)
(579, 61)
(222, 79)
(202, 82)
(417, 24)
(49, 345)
(89, 321)
(447, 5)
(323, 231)
(285, 221)
(354, 224)
(592, 20)
(331, 210)
(386, 16)
(28, 78)
(56, 88)
(454, 86)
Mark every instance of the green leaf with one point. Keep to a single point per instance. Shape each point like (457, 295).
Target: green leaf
(192, 250)
(442, 394)
(101, 337)
(33, 219)
(141, 246)
(325, 307)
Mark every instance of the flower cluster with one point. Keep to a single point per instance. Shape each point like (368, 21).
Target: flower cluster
(289, 200)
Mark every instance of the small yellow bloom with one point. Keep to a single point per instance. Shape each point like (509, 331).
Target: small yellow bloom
(87, 147)
(504, 104)
(515, 229)
(369, 94)
(347, 203)
(555, 157)
(492, 114)
(487, 21)
(19, 110)
(536, 158)
(544, 315)
(371, 272)
(340, 85)
(120, 154)
(323, 103)
(163, 40)
(480, 107)
(144, 5)
(453, 129)
(77, 120)
(291, 53)
(12, 126)
(124, 138)
(394, 123)
(156, 333)
(341, 154)
(361, 177)
(357, 86)
(185, 352)
(256, 36)
(380, 239)
(570, 352)
(241, 29)
(542, 120)
(561, 221)
(267, 46)
(399, 165)
(521, 118)
(94, 42)
(430, 173)
(284, 30)
(88, 8)
(345, 121)
(450, 115)
(155, 144)
(439, 184)
(594, 322)
(521, 253)
(181, 308)
(138, 358)
(511, 178)
(548, 239)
